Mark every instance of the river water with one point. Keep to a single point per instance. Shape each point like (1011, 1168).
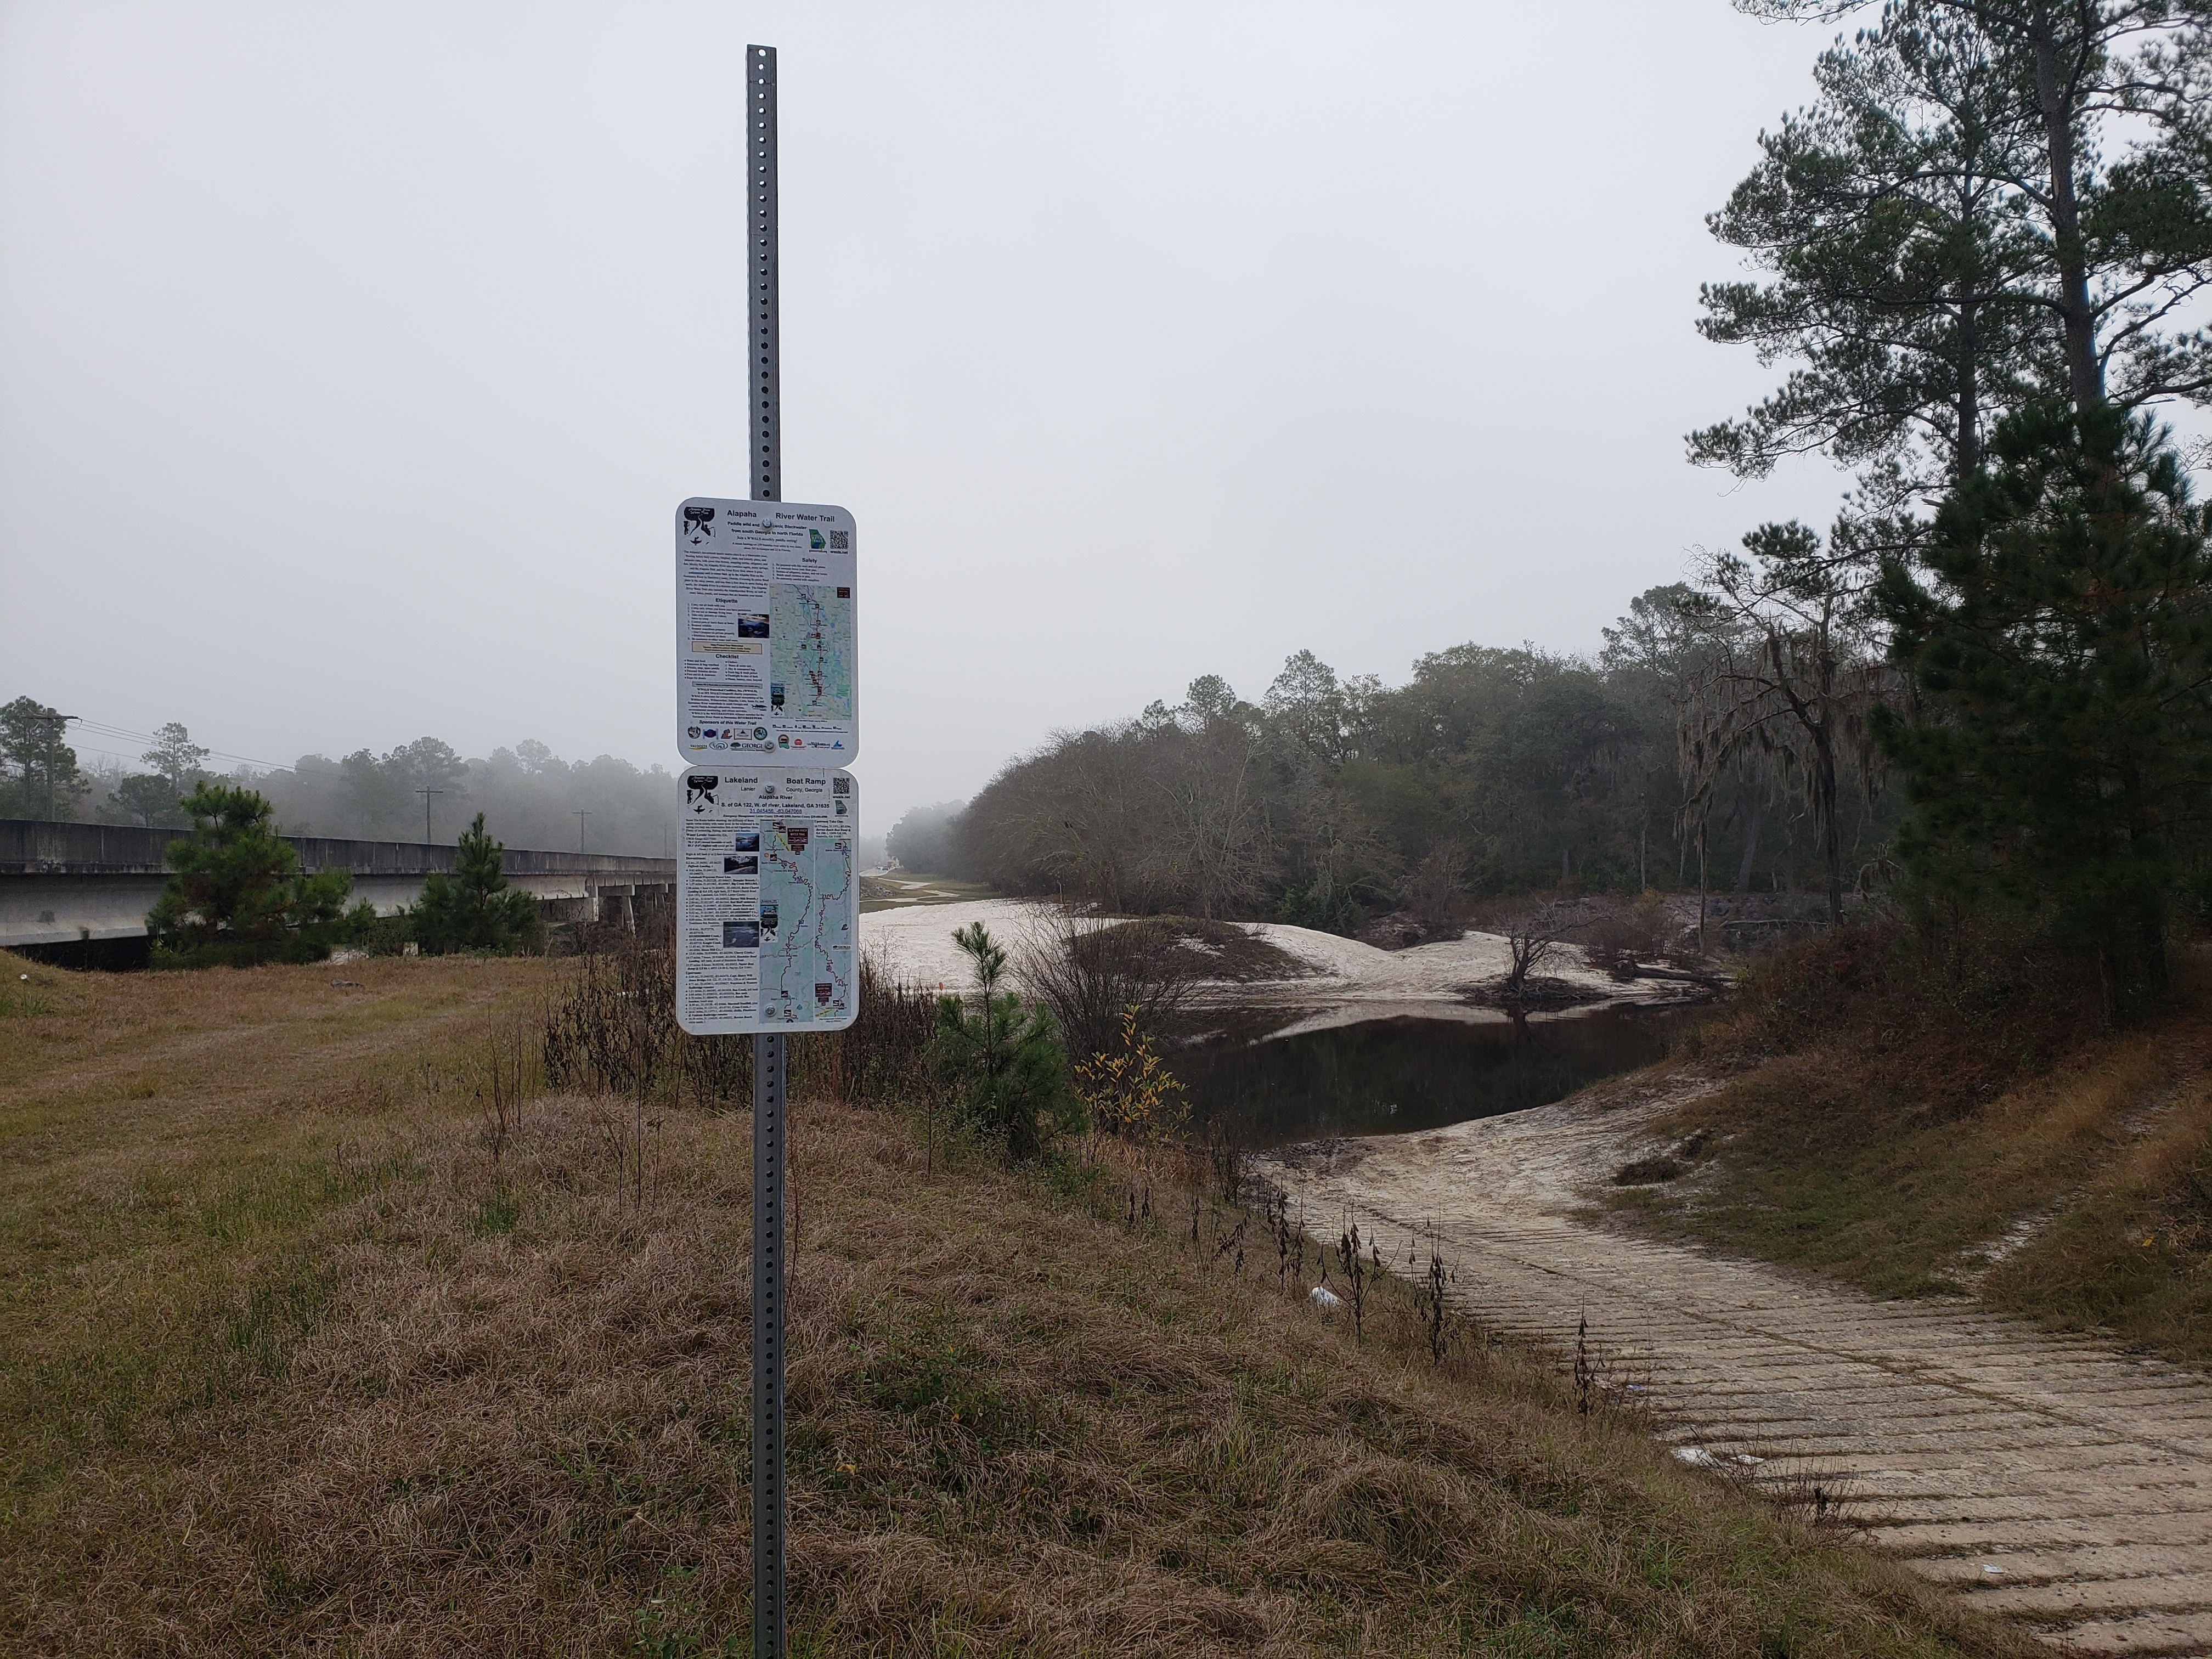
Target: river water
(1394, 1076)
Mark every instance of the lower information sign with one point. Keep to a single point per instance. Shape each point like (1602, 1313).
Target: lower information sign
(768, 902)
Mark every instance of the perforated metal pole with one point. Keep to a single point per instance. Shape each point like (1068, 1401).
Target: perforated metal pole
(765, 422)
(767, 1345)
(767, 395)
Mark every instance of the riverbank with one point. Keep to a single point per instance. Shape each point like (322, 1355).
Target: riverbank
(1338, 981)
(1877, 1121)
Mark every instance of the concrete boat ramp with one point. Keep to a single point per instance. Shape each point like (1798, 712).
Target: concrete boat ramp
(2056, 1481)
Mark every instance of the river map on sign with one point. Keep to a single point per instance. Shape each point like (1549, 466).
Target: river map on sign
(805, 936)
(810, 649)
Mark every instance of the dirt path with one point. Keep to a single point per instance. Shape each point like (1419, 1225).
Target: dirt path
(2053, 1480)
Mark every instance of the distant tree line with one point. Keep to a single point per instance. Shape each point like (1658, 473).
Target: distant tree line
(534, 796)
(1490, 771)
(922, 840)
(531, 794)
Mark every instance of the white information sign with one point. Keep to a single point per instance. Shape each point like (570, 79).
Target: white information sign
(765, 627)
(767, 901)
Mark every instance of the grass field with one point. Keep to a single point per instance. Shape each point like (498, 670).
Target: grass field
(300, 1352)
(2025, 1153)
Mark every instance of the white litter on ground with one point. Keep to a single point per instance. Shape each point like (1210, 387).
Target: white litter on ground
(1325, 1299)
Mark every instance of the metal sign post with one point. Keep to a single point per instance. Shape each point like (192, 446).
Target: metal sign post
(764, 403)
(767, 867)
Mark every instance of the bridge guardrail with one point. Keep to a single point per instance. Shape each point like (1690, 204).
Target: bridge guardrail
(38, 846)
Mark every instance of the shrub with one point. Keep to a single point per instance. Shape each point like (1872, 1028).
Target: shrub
(1131, 1091)
(474, 909)
(238, 896)
(1002, 1064)
(1091, 977)
(380, 936)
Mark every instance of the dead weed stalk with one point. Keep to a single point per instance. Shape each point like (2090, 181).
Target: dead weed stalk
(1360, 1274)
(1432, 1300)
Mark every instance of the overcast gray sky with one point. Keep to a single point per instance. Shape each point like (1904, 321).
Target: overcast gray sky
(354, 356)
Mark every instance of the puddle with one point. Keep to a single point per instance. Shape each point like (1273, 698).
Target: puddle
(1396, 1075)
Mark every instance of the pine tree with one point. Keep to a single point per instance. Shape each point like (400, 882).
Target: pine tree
(474, 909)
(38, 773)
(1003, 1062)
(238, 896)
(1991, 203)
(2061, 760)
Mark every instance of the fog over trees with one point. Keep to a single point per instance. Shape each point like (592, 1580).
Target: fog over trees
(1490, 770)
(530, 797)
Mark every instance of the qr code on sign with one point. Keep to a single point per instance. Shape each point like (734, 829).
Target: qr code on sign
(841, 541)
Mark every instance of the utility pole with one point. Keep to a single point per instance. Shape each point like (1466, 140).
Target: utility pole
(53, 724)
(580, 817)
(426, 792)
(765, 412)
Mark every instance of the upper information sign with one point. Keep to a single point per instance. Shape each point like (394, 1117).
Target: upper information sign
(766, 621)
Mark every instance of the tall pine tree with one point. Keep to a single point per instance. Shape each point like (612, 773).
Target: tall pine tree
(2060, 760)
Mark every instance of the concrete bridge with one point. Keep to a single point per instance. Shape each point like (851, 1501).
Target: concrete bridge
(91, 884)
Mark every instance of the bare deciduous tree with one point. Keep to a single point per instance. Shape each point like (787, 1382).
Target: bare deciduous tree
(1093, 977)
(1532, 936)
(1792, 674)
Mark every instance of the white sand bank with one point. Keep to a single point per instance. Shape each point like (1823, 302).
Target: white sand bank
(915, 945)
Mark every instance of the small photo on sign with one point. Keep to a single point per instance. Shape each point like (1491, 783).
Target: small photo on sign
(768, 919)
(752, 625)
(748, 866)
(749, 841)
(741, 936)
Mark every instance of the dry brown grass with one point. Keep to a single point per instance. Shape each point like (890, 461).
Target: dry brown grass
(294, 1364)
(1885, 1123)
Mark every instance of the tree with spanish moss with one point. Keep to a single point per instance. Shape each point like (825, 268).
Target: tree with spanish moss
(1787, 685)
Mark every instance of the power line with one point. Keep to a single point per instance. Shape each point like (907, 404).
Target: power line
(103, 729)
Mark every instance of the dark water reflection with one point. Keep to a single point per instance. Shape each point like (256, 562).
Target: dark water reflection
(1392, 1076)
